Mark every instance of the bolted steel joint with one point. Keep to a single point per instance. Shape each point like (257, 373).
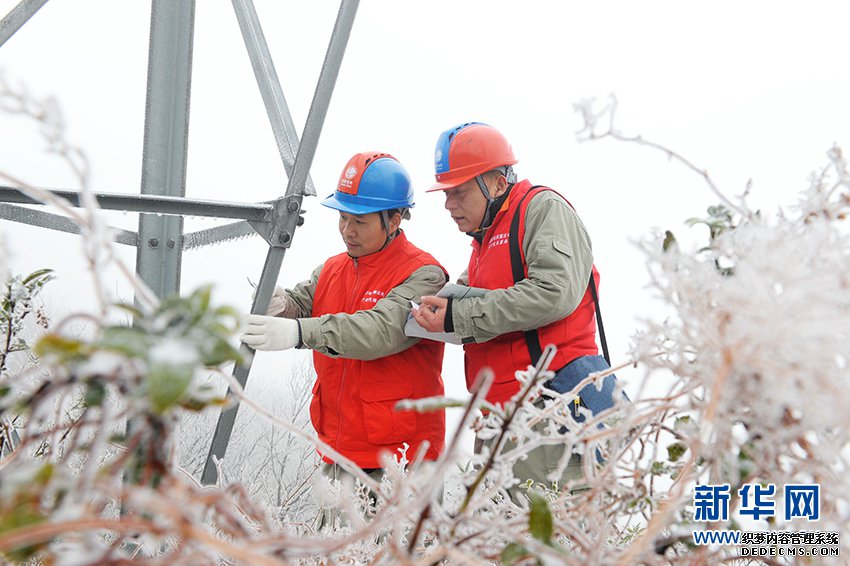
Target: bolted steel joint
(279, 229)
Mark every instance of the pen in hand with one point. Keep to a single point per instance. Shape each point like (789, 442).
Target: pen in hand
(415, 306)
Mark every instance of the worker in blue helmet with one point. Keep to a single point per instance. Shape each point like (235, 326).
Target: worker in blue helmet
(352, 312)
(373, 183)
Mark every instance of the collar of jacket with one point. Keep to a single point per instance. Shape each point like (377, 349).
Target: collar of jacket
(380, 256)
(495, 207)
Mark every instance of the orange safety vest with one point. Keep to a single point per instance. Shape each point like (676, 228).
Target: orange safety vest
(353, 405)
(490, 268)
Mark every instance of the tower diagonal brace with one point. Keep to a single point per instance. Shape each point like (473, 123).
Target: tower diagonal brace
(288, 207)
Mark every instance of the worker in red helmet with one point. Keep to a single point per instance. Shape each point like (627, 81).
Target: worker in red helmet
(532, 251)
(351, 313)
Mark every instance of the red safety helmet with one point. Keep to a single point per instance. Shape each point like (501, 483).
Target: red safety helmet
(469, 150)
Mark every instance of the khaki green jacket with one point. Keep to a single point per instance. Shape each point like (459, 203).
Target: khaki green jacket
(558, 252)
(366, 334)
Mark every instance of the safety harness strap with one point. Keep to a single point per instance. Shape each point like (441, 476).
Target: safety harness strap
(532, 337)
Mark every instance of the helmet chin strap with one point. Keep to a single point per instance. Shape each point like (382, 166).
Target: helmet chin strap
(483, 186)
(489, 211)
(385, 222)
(488, 214)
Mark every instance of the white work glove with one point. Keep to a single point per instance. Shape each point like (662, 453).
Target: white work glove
(270, 333)
(278, 302)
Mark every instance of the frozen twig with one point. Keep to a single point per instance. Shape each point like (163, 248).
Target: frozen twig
(599, 124)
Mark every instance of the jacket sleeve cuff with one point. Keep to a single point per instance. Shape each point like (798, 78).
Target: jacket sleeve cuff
(462, 324)
(448, 323)
(310, 333)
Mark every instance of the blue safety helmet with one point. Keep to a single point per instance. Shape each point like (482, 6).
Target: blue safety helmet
(371, 182)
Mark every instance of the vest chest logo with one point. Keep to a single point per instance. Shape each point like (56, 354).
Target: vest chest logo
(498, 240)
(371, 297)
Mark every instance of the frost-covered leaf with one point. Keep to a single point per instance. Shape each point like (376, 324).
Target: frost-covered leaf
(669, 241)
(512, 553)
(61, 349)
(540, 518)
(171, 367)
(95, 393)
(130, 341)
(675, 451)
(21, 506)
(217, 351)
(686, 426)
(166, 384)
(39, 277)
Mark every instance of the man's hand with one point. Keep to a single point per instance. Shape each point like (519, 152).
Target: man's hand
(270, 333)
(431, 314)
(278, 302)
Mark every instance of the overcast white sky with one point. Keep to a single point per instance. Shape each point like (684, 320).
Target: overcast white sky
(744, 89)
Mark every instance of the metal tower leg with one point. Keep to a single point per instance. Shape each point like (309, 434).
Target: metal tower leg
(166, 140)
